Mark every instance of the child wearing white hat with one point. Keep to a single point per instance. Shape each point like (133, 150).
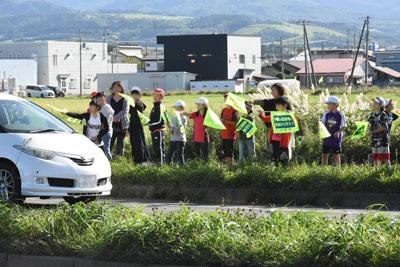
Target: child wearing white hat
(201, 138)
(178, 134)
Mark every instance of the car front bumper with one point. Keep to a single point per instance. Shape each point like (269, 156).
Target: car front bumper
(63, 177)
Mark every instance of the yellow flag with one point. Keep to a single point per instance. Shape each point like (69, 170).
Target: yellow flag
(129, 99)
(181, 126)
(323, 132)
(164, 113)
(57, 109)
(212, 120)
(142, 117)
(236, 102)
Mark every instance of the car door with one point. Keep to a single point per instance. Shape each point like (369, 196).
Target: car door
(38, 91)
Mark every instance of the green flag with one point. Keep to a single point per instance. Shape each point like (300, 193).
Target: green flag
(181, 126)
(143, 118)
(284, 122)
(246, 126)
(212, 120)
(361, 131)
(164, 114)
(129, 99)
(323, 132)
(236, 102)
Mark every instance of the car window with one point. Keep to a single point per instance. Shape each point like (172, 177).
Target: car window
(25, 117)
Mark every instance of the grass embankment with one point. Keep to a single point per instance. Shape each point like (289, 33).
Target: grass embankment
(220, 238)
(260, 177)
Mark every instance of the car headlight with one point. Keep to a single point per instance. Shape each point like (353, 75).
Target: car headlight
(38, 153)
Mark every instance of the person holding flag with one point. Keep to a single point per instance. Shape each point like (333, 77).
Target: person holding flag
(335, 122)
(247, 144)
(229, 116)
(140, 153)
(178, 134)
(379, 132)
(158, 120)
(278, 90)
(391, 113)
(201, 138)
(279, 141)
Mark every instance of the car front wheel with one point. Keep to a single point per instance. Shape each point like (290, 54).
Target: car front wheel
(10, 184)
(75, 200)
(42, 96)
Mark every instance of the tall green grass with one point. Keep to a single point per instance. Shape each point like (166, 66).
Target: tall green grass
(219, 238)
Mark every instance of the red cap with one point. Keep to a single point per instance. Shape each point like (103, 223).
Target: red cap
(159, 91)
(226, 94)
(93, 94)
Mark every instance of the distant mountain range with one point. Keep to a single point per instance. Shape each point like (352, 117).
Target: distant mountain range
(140, 20)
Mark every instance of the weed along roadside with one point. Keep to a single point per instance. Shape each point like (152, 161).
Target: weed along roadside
(303, 184)
(108, 232)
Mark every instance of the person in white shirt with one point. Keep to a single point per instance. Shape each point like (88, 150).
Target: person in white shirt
(108, 112)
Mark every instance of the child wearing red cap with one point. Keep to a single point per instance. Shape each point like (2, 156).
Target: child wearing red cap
(157, 126)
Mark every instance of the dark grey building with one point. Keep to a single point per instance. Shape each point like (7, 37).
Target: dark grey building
(213, 56)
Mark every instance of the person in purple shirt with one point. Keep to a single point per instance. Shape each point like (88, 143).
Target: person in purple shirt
(335, 122)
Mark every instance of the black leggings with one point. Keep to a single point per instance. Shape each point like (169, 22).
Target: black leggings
(280, 154)
(119, 136)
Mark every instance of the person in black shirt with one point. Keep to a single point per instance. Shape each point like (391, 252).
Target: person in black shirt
(277, 90)
(140, 152)
(121, 119)
(157, 126)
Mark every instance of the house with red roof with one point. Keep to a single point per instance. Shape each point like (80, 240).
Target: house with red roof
(337, 71)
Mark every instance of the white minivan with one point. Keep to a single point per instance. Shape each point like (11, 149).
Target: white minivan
(39, 91)
(41, 156)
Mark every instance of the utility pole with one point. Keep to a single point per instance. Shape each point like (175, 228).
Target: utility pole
(80, 63)
(282, 64)
(356, 56)
(348, 52)
(354, 41)
(294, 47)
(305, 59)
(313, 80)
(323, 49)
(366, 52)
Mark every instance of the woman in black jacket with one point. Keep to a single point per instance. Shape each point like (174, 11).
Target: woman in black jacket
(95, 124)
(140, 152)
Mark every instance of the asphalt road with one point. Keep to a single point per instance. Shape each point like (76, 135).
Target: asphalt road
(150, 205)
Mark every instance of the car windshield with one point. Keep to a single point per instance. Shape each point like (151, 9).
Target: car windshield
(26, 117)
(44, 88)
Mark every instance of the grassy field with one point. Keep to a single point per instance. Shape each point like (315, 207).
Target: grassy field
(185, 237)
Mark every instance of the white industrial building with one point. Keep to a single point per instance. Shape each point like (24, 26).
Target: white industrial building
(148, 81)
(58, 63)
(236, 86)
(17, 72)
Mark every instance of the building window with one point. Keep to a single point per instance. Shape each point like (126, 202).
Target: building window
(19, 56)
(254, 59)
(148, 64)
(54, 60)
(329, 80)
(87, 84)
(241, 59)
(338, 79)
(9, 56)
(72, 84)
